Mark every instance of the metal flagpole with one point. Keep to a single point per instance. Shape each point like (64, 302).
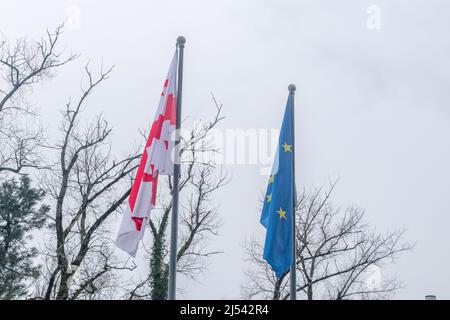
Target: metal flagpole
(293, 272)
(176, 177)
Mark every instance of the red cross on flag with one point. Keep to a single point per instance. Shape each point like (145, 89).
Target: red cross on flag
(156, 160)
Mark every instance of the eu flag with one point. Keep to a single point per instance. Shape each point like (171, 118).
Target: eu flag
(277, 215)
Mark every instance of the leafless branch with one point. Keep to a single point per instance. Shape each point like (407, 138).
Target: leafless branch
(336, 253)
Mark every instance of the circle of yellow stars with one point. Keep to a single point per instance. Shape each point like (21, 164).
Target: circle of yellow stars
(287, 148)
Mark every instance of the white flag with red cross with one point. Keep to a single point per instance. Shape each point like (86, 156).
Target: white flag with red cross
(156, 160)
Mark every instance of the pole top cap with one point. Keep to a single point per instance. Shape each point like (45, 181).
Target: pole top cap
(292, 88)
(181, 40)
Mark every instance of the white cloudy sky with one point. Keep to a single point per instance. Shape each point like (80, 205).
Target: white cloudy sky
(372, 105)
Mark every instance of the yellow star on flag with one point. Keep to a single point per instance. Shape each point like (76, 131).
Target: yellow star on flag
(269, 197)
(287, 147)
(271, 179)
(282, 213)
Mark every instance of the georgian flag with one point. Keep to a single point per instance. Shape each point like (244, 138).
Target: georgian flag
(156, 160)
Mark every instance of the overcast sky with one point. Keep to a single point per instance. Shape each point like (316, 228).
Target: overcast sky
(372, 104)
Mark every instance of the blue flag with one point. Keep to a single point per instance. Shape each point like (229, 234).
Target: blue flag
(277, 214)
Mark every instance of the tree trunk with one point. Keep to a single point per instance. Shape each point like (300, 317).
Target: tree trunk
(310, 292)
(276, 291)
(159, 274)
(63, 289)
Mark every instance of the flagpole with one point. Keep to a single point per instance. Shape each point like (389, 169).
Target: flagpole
(176, 177)
(293, 272)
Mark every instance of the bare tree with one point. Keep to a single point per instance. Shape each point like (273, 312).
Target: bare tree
(338, 255)
(23, 64)
(19, 145)
(201, 178)
(88, 185)
(26, 63)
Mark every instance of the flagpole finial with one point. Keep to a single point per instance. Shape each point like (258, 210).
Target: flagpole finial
(181, 41)
(292, 88)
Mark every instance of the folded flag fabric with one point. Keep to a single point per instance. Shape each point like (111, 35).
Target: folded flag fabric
(277, 214)
(156, 160)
